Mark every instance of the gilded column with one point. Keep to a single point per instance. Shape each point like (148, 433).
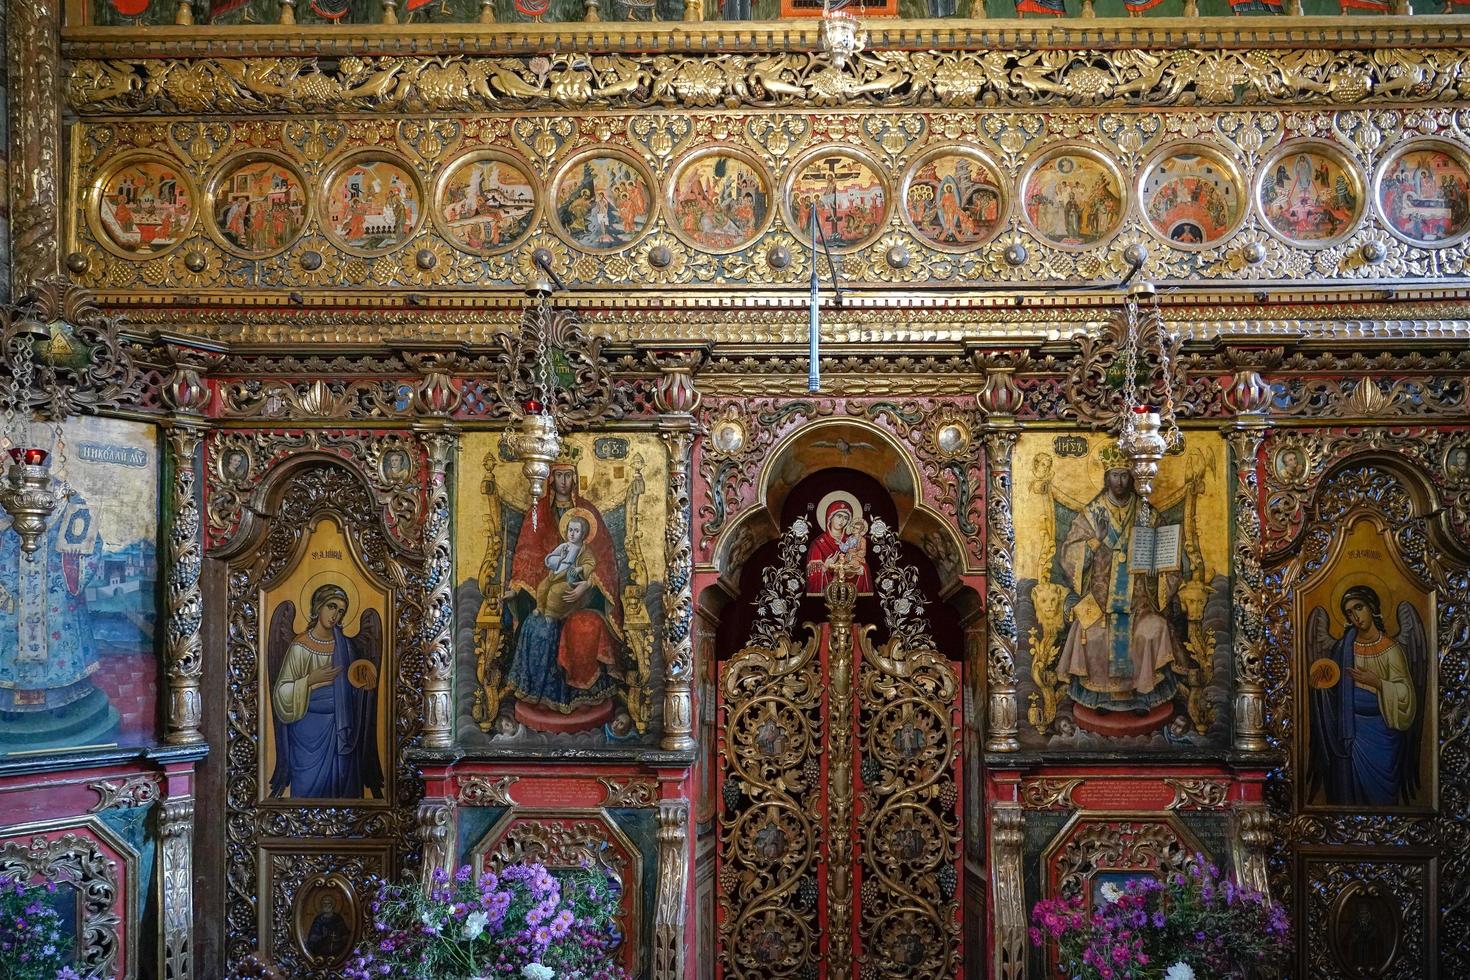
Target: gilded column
(187, 395)
(677, 399)
(841, 593)
(438, 629)
(176, 884)
(672, 902)
(1249, 395)
(999, 400)
(33, 39)
(1008, 955)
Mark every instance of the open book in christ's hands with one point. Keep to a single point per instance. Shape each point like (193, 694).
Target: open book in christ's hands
(1155, 549)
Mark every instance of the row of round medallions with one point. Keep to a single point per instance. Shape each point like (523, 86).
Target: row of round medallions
(720, 199)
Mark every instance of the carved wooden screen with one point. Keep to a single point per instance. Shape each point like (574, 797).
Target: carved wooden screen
(839, 841)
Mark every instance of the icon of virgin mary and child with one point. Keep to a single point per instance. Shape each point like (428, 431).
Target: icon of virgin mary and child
(841, 548)
(564, 613)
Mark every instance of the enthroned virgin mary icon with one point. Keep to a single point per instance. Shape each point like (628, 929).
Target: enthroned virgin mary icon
(842, 545)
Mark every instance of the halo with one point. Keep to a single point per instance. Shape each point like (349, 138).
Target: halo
(1363, 578)
(586, 515)
(832, 498)
(333, 577)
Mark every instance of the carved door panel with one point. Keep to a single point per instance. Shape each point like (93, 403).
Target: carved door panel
(317, 622)
(840, 823)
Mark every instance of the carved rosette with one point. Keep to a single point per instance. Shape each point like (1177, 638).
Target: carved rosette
(1007, 889)
(1004, 713)
(672, 896)
(176, 870)
(1248, 625)
(184, 612)
(438, 628)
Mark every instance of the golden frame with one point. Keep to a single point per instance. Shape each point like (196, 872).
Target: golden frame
(349, 159)
(130, 931)
(227, 169)
(366, 848)
(1049, 154)
(1333, 152)
(300, 915)
(1078, 818)
(1003, 216)
(387, 675)
(788, 184)
(633, 886)
(1300, 654)
(725, 150)
(93, 201)
(441, 185)
(1216, 156)
(593, 153)
(1455, 151)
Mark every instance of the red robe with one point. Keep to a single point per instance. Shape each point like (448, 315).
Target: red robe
(589, 637)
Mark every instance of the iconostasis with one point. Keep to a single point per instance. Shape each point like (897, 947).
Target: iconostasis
(850, 670)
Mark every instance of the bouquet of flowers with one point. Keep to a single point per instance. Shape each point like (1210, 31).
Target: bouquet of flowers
(1194, 924)
(32, 946)
(523, 923)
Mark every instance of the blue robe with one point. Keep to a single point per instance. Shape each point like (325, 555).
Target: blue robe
(1359, 758)
(331, 752)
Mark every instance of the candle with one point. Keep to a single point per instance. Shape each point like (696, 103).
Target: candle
(28, 456)
(533, 406)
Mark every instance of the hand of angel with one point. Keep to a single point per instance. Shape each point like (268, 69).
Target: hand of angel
(322, 675)
(1366, 678)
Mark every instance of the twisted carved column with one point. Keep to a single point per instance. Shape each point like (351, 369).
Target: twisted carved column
(176, 859)
(187, 395)
(1249, 396)
(677, 399)
(999, 400)
(672, 905)
(438, 630)
(34, 56)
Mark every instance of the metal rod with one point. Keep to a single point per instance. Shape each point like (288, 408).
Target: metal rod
(543, 262)
(814, 320)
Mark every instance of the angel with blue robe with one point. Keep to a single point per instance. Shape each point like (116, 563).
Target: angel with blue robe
(1367, 716)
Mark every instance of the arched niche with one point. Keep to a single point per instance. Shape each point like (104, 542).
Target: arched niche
(836, 443)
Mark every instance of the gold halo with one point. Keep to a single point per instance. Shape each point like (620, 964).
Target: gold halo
(1362, 578)
(832, 498)
(333, 577)
(586, 515)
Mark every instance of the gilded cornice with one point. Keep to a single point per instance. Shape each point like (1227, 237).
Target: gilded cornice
(716, 37)
(1003, 324)
(1298, 68)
